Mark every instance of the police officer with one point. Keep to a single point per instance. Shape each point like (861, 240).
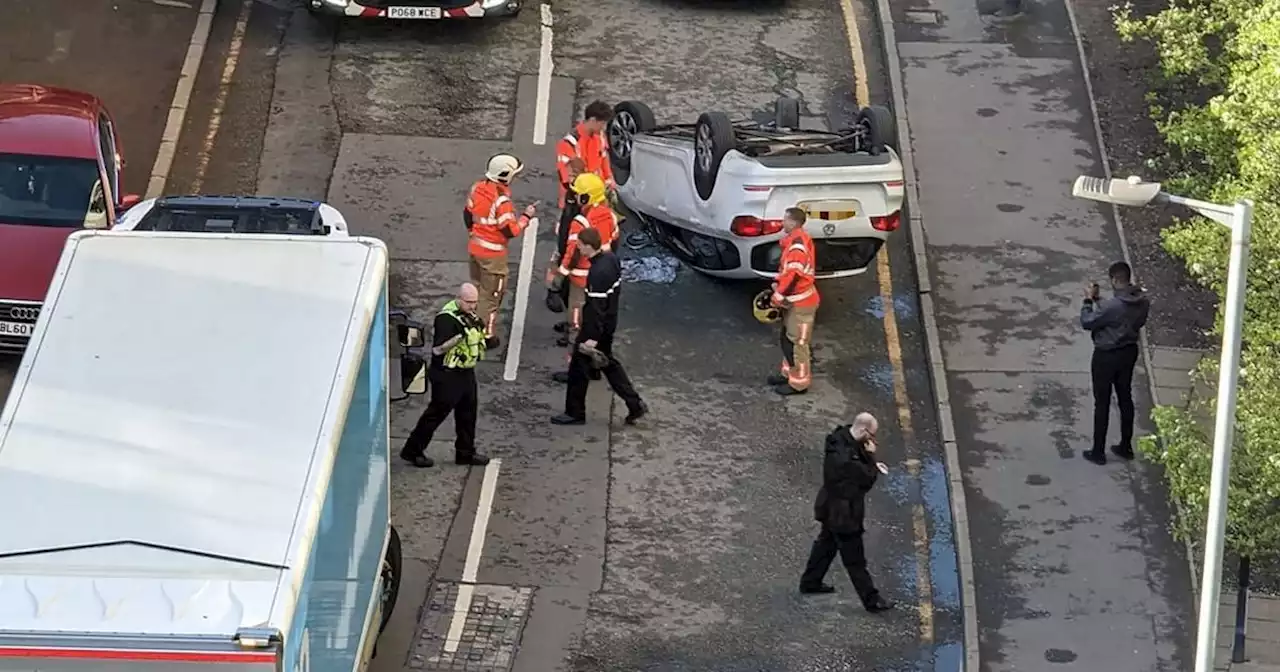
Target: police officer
(593, 344)
(457, 344)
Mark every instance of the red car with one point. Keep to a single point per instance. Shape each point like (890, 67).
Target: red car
(59, 172)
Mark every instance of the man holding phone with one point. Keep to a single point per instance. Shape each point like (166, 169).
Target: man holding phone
(1115, 324)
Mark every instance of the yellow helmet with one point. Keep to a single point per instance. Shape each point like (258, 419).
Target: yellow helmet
(591, 186)
(764, 309)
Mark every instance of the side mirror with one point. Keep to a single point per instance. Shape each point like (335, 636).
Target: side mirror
(128, 201)
(413, 375)
(410, 335)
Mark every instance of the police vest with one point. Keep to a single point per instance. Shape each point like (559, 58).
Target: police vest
(470, 348)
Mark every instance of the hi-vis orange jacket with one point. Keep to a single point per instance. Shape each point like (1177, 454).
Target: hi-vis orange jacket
(493, 219)
(600, 217)
(593, 149)
(796, 286)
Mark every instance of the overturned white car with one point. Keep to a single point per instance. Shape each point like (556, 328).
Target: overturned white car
(714, 191)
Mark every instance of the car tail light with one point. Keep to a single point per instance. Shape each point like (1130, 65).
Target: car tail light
(752, 227)
(889, 223)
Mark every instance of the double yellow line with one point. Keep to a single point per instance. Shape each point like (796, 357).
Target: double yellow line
(893, 341)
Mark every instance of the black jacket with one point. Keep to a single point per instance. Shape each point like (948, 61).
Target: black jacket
(848, 473)
(1116, 322)
(600, 313)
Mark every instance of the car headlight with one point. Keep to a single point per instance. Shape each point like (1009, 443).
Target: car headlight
(337, 4)
(492, 4)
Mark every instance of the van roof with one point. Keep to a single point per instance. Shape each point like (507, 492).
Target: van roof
(173, 400)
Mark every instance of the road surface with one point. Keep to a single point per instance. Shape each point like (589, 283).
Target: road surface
(672, 545)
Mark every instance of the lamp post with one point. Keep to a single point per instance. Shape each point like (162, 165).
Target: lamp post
(1238, 218)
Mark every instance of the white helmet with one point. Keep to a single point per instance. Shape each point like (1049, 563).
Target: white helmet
(503, 167)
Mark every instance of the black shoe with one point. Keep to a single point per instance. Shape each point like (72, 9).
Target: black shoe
(561, 377)
(562, 342)
(474, 459)
(775, 379)
(1121, 451)
(492, 342)
(787, 390)
(566, 419)
(1097, 457)
(417, 459)
(562, 327)
(639, 412)
(879, 605)
(820, 589)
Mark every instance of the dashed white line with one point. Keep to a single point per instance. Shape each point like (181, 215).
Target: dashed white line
(540, 109)
(462, 607)
(524, 281)
(181, 98)
(224, 90)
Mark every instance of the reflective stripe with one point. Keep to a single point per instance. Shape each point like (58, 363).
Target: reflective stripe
(572, 236)
(565, 159)
(571, 139)
(607, 292)
(803, 336)
(488, 245)
(580, 272)
(607, 247)
(801, 296)
(497, 202)
(786, 368)
(799, 246)
(506, 216)
(797, 265)
(582, 219)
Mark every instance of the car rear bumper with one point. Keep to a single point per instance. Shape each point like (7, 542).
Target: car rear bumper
(378, 9)
(837, 257)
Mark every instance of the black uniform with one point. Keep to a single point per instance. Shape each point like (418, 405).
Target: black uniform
(848, 474)
(1115, 325)
(599, 321)
(453, 390)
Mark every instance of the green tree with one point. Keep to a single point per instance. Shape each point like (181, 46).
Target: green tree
(1218, 109)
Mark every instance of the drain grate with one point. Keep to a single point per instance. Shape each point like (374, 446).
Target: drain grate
(490, 633)
(926, 16)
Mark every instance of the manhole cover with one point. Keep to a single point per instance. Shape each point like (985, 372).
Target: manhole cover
(923, 16)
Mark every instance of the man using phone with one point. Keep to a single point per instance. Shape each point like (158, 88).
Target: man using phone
(849, 470)
(1115, 324)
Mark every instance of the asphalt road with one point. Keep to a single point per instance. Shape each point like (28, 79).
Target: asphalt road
(673, 545)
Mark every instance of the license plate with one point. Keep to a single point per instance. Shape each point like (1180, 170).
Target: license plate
(413, 12)
(831, 211)
(16, 329)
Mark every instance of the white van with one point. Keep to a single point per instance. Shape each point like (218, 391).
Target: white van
(194, 458)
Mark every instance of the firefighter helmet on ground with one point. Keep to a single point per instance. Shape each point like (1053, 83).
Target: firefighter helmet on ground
(590, 187)
(503, 167)
(764, 309)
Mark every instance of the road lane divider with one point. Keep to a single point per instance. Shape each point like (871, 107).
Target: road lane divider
(524, 285)
(479, 528)
(181, 98)
(224, 91)
(543, 104)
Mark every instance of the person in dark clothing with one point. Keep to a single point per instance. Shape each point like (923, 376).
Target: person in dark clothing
(593, 346)
(457, 345)
(849, 471)
(1116, 326)
(569, 209)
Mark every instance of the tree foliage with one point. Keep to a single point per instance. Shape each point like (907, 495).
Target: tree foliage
(1218, 108)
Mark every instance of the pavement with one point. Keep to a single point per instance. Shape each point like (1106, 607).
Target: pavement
(1075, 565)
(672, 545)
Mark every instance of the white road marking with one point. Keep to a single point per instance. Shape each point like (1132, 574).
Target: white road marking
(172, 3)
(462, 607)
(540, 110)
(61, 46)
(224, 90)
(524, 280)
(181, 98)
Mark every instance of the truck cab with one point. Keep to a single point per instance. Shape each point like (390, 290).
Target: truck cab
(204, 479)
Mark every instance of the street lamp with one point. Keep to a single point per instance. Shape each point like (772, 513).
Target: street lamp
(1238, 218)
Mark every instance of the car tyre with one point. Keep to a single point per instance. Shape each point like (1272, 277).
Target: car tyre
(879, 127)
(392, 571)
(629, 118)
(786, 112)
(713, 138)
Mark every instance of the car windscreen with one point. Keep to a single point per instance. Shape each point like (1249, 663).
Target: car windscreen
(232, 219)
(48, 190)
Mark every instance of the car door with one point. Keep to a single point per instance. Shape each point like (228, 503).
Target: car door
(110, 161)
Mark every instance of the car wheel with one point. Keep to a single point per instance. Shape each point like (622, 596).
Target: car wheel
(392, 571)
(878, 127)
(629, 118)
(786, 113)
(713, 138)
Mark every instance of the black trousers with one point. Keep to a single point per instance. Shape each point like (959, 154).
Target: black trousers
(452, 391)
(575, 396)
(852, 554)
(566, 220)
(1113, 370)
